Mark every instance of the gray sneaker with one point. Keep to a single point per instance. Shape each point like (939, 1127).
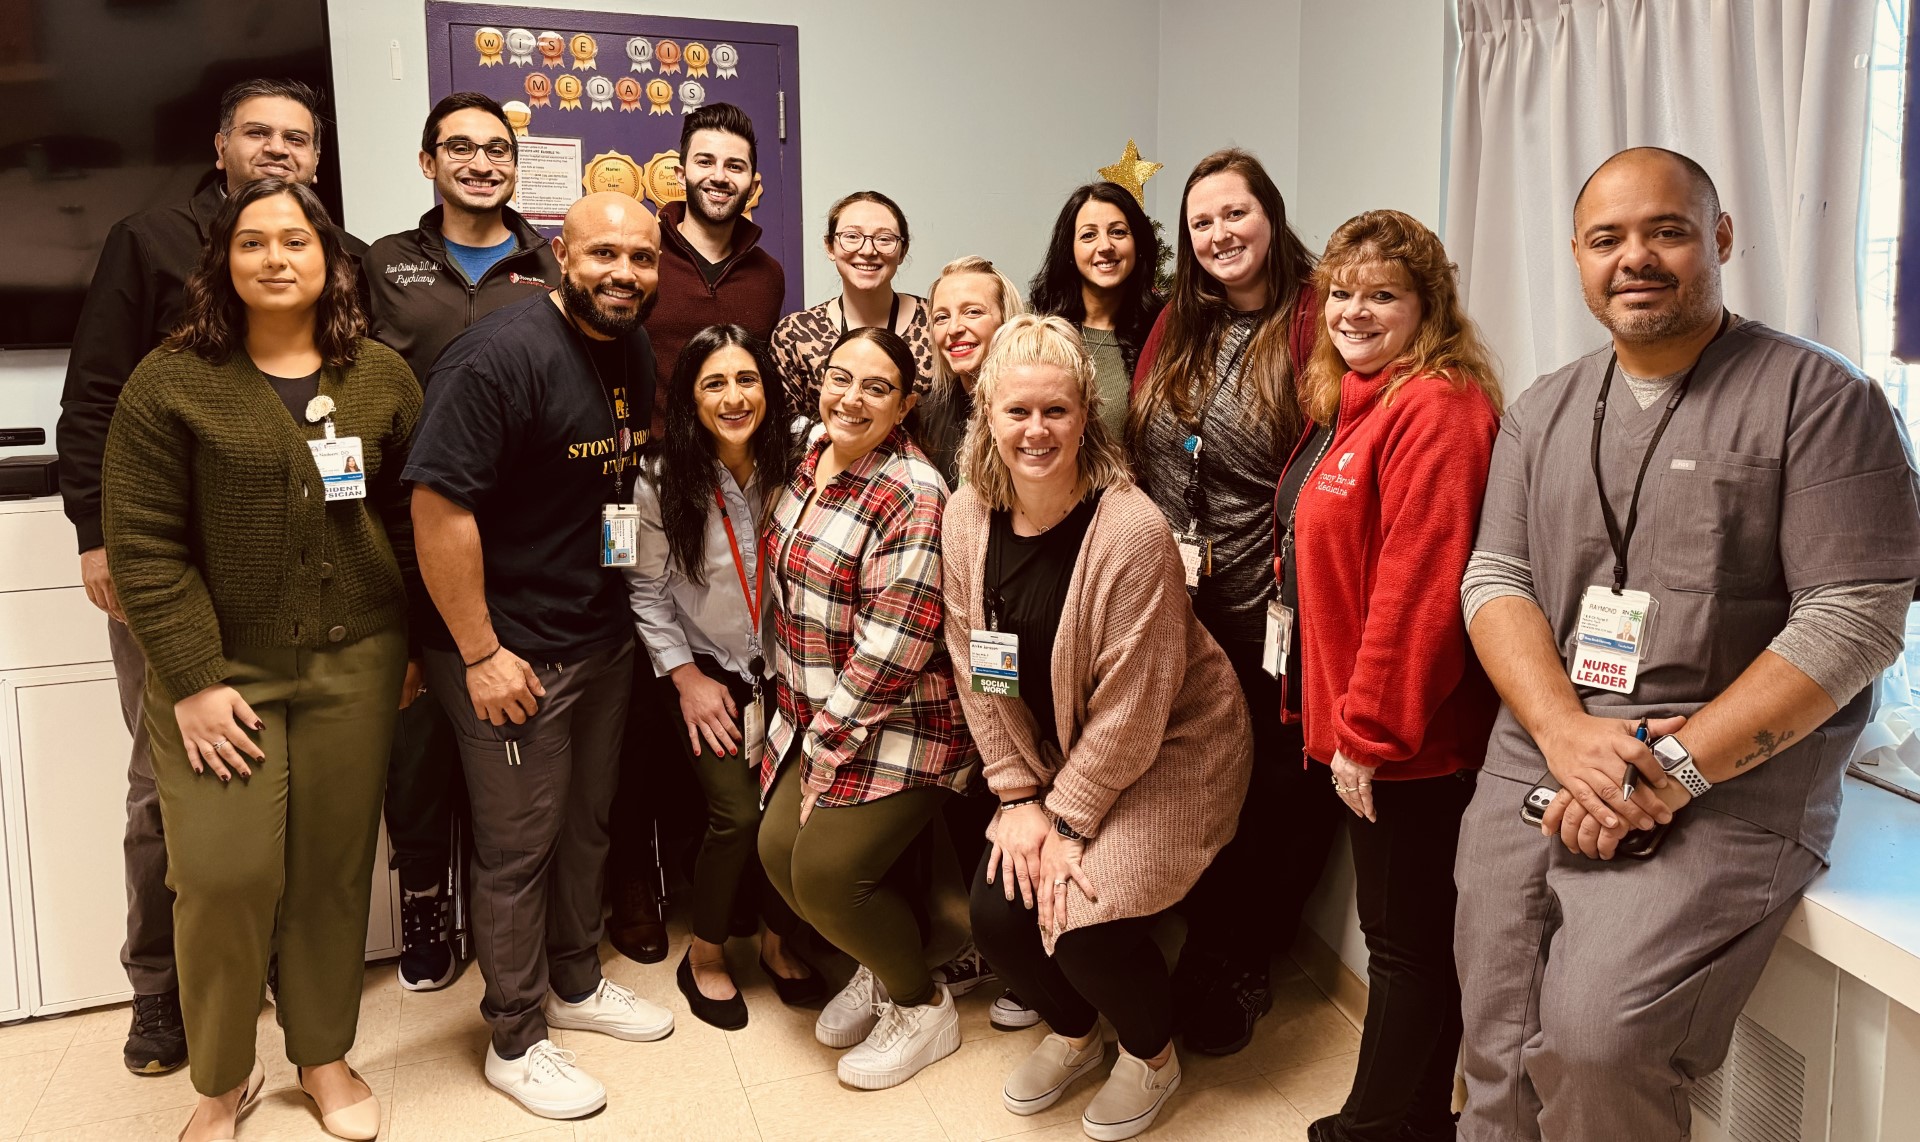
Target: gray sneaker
(1045, 1075)
(1132, 1098)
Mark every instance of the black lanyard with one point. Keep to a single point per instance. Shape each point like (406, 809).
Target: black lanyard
(1300, 491)
(1193, 441)
(622, 433)
(1621, 538)
(893, 313)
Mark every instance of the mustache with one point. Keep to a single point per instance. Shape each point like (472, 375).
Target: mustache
(1650, 277)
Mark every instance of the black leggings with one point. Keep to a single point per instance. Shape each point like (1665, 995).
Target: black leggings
(1112, 969)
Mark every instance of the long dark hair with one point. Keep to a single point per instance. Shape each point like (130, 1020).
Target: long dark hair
(684, 461)
(1056, 288)
(1199, 313)
(214, 322)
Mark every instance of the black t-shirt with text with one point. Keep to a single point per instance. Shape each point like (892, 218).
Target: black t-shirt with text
(522, 427)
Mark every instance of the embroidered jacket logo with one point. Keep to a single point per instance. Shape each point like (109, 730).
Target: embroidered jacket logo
(1344, 459)
(525, 279)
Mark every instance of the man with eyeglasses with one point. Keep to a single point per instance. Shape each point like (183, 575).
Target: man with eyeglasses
(268, 128)
(468, 257)
(712, 272)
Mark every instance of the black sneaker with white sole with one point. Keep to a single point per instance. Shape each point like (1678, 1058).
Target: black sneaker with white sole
(427, 962)
(157, 1041)
(1011, 1013)
(965, 971)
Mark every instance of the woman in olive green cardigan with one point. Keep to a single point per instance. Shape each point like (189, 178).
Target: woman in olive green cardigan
(268, 586)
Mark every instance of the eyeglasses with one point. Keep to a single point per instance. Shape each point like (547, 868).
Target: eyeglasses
(873, 388)
(884, 243)
(460, 150)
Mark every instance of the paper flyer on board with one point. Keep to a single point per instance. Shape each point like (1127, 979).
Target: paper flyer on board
(549, 179)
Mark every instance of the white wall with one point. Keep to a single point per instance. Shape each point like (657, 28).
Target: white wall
(978, 121)
(1229, 76)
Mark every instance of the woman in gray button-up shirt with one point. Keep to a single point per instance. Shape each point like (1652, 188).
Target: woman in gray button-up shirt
(698, 593)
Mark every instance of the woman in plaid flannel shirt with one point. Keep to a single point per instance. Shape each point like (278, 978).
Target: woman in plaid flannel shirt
(868, 739)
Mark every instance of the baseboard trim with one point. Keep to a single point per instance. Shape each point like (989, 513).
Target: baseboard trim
(1321, 964)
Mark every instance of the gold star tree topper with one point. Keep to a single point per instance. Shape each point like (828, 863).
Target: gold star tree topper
(1132, 172)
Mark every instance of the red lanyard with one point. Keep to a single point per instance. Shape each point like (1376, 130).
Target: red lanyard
(754, 592)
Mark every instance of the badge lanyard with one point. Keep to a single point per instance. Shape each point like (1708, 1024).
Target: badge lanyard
(1622, 538)
(1300, 493)
(893, 314)
(754, 592)
(622, 434)
(1193, 441)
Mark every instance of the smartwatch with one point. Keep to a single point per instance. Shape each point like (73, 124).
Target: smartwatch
(1060, 826)
(1678, 763)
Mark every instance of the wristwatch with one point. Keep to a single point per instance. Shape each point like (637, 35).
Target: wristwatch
(1060, 826)
(1678, 763)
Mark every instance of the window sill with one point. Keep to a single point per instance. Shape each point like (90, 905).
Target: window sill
(1863, 913)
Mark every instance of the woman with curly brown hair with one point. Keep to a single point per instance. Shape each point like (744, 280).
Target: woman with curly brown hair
(258, 534)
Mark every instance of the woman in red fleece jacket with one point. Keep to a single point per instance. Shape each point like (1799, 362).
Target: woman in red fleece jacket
(1374, 521)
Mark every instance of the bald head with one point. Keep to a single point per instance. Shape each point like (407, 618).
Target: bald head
(1636, 163)
(609, 252)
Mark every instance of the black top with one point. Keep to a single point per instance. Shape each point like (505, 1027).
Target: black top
(1286, 501)
(295, 392)
(1026, 588)
(518, 430)
(709, 271)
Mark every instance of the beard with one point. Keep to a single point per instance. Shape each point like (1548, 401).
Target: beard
(697, 202)
(1689, 312)
(584, 306)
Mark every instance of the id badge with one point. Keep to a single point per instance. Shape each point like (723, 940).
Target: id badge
(995, 657)
(619, 535)
(1196, 556)
(753, 723)
(1279, 639)
(1610, 639)
(343, 469)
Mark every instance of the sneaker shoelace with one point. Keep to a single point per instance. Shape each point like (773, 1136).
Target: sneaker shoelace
(860, 991)
(969, 964)
(423, 919)
(618, 993)
(547, 1062)
(895, 1022)
(154, 1016)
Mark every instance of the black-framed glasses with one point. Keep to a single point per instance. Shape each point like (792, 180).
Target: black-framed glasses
(884, 243)
(461, 149)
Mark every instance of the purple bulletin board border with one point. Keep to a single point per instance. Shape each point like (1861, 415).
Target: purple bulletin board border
(443, 14)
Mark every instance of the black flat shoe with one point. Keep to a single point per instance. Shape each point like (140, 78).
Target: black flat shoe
(796, 992)
(726, 1014)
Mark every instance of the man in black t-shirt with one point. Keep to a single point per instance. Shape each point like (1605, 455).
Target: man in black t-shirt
(532, 423)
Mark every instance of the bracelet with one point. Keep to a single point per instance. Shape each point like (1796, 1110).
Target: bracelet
(1034, 799)
(481, 661)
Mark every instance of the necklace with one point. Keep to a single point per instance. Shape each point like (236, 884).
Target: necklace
(1045, 527)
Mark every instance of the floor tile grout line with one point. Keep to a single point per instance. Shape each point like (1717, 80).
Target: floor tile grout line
(41, 1097)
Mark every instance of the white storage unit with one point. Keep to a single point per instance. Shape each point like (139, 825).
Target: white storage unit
(63, 783)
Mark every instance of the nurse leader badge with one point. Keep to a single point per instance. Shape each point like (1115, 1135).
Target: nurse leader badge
(567, 87)
(519, 47)
(628, 89)
(488, 41)
(726, 58)
(599, 93)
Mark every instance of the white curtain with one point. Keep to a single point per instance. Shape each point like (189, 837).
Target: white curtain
(1770, 96)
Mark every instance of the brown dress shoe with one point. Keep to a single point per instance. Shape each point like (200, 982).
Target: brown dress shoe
(636, 929)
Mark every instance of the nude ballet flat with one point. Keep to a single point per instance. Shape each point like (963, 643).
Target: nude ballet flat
(358, 1123)
(256, 1082)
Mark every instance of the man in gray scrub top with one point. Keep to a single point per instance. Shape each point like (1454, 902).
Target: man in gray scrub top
(1770, 555)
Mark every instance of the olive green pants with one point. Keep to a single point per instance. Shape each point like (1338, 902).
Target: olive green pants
(281, 861)
(835, 873)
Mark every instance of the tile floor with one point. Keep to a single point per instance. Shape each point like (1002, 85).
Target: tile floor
(61, 1078)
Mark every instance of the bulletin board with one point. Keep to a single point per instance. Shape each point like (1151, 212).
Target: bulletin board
(597, 99)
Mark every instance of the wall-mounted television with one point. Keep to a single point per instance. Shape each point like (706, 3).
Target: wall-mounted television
(111, 109)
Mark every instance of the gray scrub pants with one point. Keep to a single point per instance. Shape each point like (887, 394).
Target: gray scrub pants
(1595, 993)
(148, 953)
(540, 811)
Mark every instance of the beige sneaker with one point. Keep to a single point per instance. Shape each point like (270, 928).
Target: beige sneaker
(1133, 1096)
(1045, 1075)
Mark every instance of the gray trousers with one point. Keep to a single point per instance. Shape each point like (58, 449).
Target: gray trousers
(148, 952)
(1595, 993)
(541, 795)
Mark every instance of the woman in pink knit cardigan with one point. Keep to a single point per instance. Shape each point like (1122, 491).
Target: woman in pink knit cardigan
(1108, 720)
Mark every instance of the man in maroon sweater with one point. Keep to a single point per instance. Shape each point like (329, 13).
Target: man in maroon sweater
(712, 269)
(712, 272)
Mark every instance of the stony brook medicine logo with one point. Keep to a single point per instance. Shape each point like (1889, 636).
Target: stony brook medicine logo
(1337, 482)
(527, 279)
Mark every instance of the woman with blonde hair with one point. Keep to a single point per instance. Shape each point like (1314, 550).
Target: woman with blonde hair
(1375, 519)
(1116, 743)
(969, 301)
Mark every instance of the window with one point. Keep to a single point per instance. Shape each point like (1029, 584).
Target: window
(1880, 239)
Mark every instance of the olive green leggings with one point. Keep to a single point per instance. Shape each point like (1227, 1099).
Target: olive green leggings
(835, 875)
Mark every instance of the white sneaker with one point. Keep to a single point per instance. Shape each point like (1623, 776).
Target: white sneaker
(1133, 1096)
(903, 1042)
(611, 1010)
(848, 1017)
(545, 1081)
(965, 971)
(1011, 1013)
(1046, 1074)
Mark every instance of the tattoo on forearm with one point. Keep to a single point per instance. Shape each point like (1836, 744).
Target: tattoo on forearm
(1766, 743)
